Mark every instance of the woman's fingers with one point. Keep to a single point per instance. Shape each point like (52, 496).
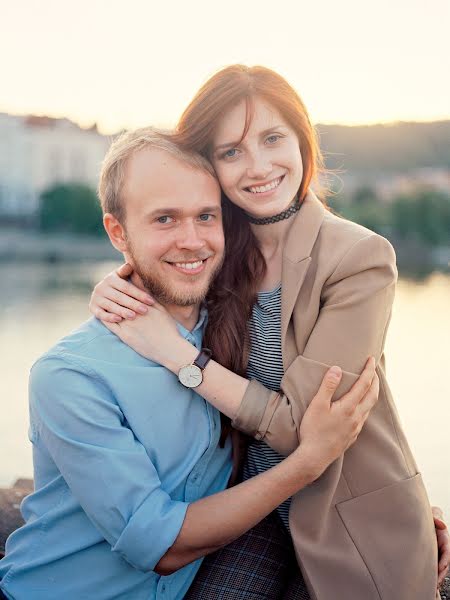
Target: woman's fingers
(125, 301)
(114, 281)
(105, 316)
(115, 309)
(125, 270)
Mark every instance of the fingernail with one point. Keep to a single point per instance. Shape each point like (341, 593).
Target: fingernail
(142, 310)
(149, 299)
(130, 315)
(335, 372)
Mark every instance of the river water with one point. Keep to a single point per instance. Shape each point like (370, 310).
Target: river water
(40, 303)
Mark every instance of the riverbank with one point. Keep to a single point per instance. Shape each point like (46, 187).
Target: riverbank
(28, 245)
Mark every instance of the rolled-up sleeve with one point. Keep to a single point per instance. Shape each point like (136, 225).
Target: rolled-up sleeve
(106, 468)
(356, 305)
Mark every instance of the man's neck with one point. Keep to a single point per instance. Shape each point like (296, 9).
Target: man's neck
(185, 315)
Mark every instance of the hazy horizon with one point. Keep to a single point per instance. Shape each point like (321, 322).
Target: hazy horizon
(125, 66)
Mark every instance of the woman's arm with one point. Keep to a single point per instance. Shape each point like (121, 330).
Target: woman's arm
(327, 430)
(357, 297)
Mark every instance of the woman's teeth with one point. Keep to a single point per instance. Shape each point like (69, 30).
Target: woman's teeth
(258, 189)
(192, 265)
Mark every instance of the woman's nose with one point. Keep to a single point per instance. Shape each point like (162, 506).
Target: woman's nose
(258, 167)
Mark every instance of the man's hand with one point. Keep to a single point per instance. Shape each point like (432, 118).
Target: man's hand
(443, 542)
(328, 428)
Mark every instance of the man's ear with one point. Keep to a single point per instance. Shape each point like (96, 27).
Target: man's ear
(115, 231)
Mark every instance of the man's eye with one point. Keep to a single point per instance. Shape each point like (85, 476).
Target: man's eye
(164, 219)
(231, 153)
(206, 217)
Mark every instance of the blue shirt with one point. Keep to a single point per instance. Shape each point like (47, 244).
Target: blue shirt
(120, 449)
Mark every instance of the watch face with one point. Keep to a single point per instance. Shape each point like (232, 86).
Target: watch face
(190, 376)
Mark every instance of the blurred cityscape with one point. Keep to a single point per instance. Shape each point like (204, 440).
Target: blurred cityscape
(394, 179)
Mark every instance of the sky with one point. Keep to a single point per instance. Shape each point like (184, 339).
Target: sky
(128, 64)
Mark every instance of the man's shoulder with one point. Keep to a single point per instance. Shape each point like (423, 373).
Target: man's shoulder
(92, 347)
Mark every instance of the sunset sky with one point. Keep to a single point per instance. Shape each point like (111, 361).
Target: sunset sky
(125, 64)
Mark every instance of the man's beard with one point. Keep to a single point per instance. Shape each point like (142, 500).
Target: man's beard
(164, 293)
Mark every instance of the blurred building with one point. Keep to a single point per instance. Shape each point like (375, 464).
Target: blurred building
(38, 152)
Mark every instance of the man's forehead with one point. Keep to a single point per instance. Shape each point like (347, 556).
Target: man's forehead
(157, 173)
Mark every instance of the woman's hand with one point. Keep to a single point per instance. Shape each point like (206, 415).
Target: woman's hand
(328, 428)
(115, 298)
(443, 542)
(155, 336)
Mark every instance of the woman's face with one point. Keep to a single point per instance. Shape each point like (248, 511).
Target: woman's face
(262, 173)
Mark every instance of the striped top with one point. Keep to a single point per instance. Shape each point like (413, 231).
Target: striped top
(266, 366)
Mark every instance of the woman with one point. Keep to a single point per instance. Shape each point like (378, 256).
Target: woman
(308, 290)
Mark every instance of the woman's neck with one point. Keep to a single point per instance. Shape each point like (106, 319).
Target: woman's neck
(272, 237)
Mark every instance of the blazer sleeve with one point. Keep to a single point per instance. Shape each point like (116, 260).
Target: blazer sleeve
(356, 304)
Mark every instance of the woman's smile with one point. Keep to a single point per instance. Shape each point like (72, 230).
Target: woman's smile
(265, 189)
(265, 164)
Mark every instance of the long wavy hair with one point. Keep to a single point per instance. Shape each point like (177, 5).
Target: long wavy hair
(233, 294)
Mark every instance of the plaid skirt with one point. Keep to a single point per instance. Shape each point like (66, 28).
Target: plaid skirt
(260, 564)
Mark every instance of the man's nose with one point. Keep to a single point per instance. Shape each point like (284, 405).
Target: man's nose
(258, 167)
(190, 237)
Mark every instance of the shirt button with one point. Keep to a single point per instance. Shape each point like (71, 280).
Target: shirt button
(163, 588)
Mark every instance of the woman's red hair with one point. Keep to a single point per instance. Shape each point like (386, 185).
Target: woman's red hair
(233, 294)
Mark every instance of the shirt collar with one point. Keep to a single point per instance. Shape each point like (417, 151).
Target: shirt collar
(199, 327)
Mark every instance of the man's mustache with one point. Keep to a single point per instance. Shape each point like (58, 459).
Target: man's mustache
(188, 258)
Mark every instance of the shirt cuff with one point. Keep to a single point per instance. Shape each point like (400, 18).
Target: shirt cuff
(151, 531)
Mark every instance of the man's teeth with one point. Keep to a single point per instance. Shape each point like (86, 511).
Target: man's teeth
(265, 188)
(192, 265)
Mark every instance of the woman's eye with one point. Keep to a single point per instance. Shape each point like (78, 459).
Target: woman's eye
(273, 138)
(164, 219)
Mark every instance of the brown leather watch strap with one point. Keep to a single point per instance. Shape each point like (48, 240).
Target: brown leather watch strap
(203, 358)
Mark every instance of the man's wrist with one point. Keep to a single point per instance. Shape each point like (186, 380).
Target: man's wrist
(311, 467)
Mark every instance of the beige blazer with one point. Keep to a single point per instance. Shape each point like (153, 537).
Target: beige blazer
(364, 529)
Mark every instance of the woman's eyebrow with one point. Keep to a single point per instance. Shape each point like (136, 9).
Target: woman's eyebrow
(261, 133)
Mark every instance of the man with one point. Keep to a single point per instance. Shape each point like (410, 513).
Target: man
(129, 474)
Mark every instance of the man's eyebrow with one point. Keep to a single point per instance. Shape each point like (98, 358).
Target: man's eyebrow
(233, 144)
(176, 212)
(169, 211)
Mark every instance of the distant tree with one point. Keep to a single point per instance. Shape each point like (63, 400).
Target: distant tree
(424, 216)
(364, 195)
(364, 208)
(70, 208)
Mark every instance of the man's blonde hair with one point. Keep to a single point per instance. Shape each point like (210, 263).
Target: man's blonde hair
(123, 148)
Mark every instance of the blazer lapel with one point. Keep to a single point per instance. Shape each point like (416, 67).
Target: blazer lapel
(296, 260)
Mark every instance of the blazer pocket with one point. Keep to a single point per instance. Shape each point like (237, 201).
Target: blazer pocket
(393, 530)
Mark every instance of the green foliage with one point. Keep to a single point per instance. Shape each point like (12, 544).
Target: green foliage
(71, 208)
(423, 216)
(363, 208)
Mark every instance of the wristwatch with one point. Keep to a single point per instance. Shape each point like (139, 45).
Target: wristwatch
(191, 375)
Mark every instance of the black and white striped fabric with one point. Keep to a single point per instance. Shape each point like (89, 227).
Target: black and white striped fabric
(266, 366)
